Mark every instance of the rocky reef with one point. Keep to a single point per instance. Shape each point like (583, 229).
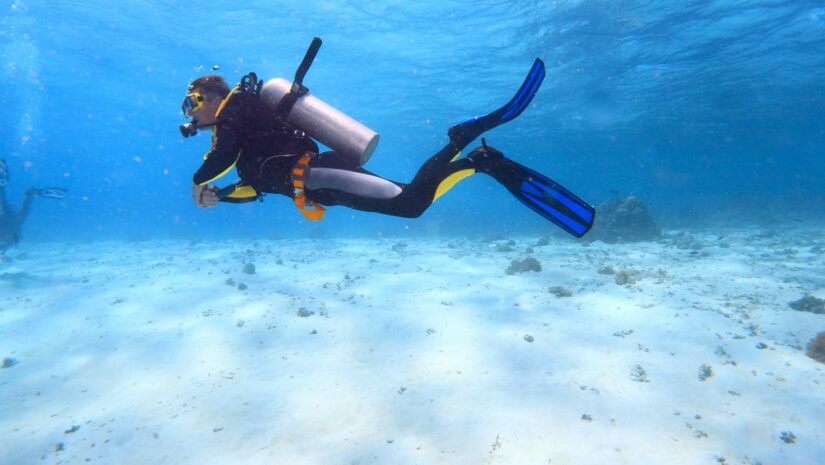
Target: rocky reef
(624, 220)
(808, 303)
(816, 349)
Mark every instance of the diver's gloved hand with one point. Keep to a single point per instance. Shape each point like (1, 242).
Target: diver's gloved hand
(204, 196)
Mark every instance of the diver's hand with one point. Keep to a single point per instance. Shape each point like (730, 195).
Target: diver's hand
(204, 196)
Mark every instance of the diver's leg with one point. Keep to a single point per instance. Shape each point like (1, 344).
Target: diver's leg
(357, 188)
(5, 208)
(21, 215)
(431, 182)
(436, 163)
(332, 182)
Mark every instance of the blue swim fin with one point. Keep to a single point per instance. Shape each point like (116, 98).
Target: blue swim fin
(551, 200)
(464, 132)
(543, 195)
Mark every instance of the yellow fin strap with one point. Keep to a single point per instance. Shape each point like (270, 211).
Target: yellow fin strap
(298, 177)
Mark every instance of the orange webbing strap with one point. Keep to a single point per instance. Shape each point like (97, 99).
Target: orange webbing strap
(298, 177)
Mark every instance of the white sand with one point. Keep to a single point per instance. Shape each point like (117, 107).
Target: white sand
(415, 354)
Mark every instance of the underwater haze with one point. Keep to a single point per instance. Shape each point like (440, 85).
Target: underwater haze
(708, 111)
(687, 327)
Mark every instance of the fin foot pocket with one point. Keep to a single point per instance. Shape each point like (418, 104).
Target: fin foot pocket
(485, 157)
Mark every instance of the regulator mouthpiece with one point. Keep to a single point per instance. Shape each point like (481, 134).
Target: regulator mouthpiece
(189, 129)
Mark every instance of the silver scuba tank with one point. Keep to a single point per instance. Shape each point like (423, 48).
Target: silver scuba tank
(323, 122)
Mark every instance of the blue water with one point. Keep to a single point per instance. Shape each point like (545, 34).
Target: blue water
(712, 112)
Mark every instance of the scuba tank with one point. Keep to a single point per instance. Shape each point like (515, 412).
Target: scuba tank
(321, 121)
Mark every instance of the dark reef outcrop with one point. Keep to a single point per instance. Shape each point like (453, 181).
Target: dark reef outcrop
(816, 348)
(808, 303)
(624, 220)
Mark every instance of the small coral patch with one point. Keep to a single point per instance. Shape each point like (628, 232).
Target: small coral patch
(816, 349)
(523, 266)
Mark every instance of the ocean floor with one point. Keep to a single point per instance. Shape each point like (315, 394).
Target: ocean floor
(414, 351)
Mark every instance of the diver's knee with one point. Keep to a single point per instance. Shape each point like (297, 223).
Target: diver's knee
(412, 211)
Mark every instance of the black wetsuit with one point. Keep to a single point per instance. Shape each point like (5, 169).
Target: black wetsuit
(10, 222)
(265, 151)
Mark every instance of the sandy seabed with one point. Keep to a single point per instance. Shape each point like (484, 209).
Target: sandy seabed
(413, 351)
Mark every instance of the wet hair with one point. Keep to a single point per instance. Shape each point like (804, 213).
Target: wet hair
(212, 85)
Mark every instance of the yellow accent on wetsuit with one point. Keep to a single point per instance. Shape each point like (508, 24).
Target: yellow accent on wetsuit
(224, 171)
(226, 100)
(243, 192)
(451, 181)
(215, 139)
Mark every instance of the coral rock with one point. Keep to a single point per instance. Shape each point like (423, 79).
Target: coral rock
(808, 303)
(625, 220)
(816, 349)
(523, 266)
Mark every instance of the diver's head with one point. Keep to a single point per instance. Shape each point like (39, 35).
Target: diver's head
(202, 102)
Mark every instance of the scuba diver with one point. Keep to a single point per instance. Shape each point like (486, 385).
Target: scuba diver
(266, 131)
(11, 221)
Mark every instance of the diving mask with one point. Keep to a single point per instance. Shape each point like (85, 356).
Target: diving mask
(191, 102)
